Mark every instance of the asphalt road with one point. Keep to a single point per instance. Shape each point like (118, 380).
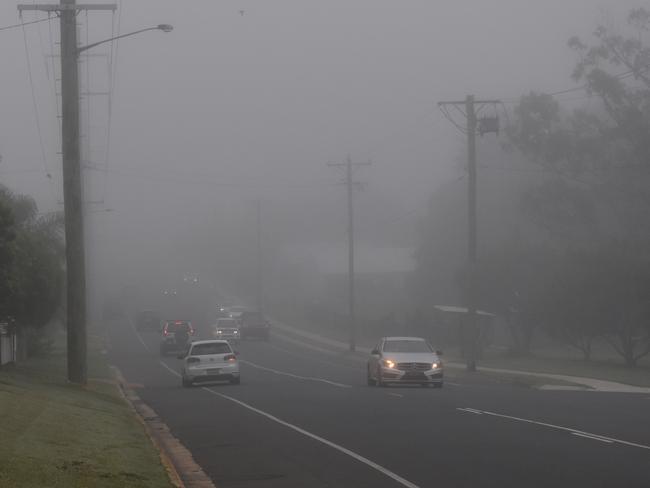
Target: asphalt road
(304, 417)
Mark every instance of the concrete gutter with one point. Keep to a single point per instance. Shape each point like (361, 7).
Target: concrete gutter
(181, 468)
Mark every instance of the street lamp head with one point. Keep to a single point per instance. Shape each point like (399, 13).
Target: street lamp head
(166, 27)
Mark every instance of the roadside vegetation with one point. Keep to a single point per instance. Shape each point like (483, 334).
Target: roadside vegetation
(31, 269)
(564, 203)
(55, 434)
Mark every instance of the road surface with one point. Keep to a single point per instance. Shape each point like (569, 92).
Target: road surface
(304, 417)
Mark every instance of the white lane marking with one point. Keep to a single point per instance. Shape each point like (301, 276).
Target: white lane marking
(286, 338)
(291, 375)
(137, 334)
(559, 427)
(396, 395)
(318, 360)
(352, 454)
(608, 441)
(175, 373)
(469, 410)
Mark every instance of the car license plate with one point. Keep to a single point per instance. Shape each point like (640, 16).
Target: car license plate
(214, 371)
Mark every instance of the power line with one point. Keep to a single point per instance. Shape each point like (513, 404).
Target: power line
(22, 24)
(36, 114)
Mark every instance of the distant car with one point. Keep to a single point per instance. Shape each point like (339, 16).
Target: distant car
(170, 293)
(253, 324)
(404, 360)
(210, 360)
(235, 311)
(226, 329)
(176, 335)
(148, 320)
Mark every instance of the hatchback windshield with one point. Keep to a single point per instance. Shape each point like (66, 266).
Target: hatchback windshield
(406, 346)
(210, 348)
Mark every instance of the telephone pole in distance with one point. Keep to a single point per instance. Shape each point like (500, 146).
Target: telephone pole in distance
(349, 171)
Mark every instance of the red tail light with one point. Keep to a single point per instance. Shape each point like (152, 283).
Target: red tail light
(230, 358)
(193, 360)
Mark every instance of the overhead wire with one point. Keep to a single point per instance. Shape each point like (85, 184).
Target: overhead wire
(112, 75)
(22, 24)
(36, 115)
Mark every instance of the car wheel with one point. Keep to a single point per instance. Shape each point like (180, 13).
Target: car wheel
(437, 385)
(235, 381)
(371, 380)
(185, 382)
(379, 381)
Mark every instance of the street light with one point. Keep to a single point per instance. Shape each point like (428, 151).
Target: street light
(162, 27)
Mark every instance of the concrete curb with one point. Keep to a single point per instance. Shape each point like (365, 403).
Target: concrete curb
(591, 384)
(181, 468)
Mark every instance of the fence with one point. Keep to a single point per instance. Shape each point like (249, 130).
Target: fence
(7, 344)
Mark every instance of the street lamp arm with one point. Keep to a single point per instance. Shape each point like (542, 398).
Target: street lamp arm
(162, 27)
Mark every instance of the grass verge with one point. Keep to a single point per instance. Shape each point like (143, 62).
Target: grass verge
(54, 434)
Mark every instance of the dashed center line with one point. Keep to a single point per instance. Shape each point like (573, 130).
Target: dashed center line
(580, 433)
(296, 376)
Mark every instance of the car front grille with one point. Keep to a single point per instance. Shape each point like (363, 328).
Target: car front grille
(414, 366)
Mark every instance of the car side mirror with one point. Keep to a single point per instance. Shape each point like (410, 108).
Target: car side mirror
(439, 352)
(374, 352)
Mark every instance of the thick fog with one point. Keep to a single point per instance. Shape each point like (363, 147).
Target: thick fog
(250, 100)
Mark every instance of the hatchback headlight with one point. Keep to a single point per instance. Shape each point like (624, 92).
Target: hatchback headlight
(436, 365)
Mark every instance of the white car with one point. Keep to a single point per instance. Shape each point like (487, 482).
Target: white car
(226, 329)
(210, 360)
(405, 360)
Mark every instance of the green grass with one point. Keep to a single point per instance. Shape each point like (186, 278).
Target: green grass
(610, 369)
(54, 434)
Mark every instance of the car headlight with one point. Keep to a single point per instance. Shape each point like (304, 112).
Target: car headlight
(387, 363)
(436, 365)
(218, 332)
(236, 332)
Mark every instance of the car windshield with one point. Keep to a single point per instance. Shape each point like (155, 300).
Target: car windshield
(226, 323)
(403, 345)
(210, 348)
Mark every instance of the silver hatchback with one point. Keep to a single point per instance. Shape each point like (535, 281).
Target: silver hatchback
(404, 360)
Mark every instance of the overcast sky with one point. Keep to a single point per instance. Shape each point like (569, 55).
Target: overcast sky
(229, 107)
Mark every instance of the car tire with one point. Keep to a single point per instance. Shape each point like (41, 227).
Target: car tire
(186, 383)
(235, 381)
(371, 380)
(424, 385)
(437, 385)
(380, 382)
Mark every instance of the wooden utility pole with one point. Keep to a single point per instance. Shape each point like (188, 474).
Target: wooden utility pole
(260, 257)
(72, 188)
(471, 330)
(349, 165)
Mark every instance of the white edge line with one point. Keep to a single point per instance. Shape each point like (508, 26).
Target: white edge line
(608, 441)
(291, 375)
(352, 454)
(137, 334)
(566, 429)
(469, 410)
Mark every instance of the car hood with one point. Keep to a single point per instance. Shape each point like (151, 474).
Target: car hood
(411, 357)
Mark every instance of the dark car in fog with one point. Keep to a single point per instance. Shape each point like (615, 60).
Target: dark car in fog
(254, 324)
(176, 335)
(147, 321)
